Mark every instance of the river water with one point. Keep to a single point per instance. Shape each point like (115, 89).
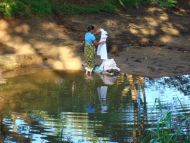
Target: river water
(47, 106)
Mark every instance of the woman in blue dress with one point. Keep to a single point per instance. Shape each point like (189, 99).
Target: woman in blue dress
(89, 49)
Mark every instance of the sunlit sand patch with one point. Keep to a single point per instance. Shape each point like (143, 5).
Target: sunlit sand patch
(133, 30)
(4, 36)
(145, 31)
(164, 17)
(111, 23)
(58, 32)
(21, 46)
(166, 39)
(41, 45)
(144, 40)
(25, 49)
(22, 29)
(151, 21)
(170, 30)
(152, 32)
(71, 62)
(66, 60)
(154, 9)
(56, 64)
(3, 25)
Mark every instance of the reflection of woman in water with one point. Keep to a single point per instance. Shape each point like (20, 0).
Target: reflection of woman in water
(102, 93)
(90, 108)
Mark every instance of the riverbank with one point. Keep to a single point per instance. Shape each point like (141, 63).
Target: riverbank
(149, 42)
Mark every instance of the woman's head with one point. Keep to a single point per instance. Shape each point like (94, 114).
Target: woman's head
(90, 28)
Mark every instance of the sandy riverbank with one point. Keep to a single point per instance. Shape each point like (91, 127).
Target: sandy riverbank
(149, 42)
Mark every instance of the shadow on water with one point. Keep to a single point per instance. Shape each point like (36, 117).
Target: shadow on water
(47, 107)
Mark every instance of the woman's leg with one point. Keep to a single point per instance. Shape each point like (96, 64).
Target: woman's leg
(89, 57)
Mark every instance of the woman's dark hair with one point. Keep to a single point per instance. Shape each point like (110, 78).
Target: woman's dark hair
(91, 27)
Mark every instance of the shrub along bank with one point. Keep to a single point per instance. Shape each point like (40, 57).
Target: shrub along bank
(14, 8)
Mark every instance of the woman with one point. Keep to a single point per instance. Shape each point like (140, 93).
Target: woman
(89, 50)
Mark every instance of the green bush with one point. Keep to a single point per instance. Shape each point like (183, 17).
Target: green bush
(6, 7)
(137, 3)
(25, 7)
(76, 9)
(10, 8)
(39, 7)
(68, 8)
(165, 3)
(108, 6)
(131, 3)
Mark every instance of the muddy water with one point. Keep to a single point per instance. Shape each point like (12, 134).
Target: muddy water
(47, 106)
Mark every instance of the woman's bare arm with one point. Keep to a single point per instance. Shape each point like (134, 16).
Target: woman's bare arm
(95, 43)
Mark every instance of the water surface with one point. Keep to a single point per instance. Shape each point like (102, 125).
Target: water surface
(47, 106)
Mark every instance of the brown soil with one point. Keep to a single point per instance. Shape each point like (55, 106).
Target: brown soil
(150, 42)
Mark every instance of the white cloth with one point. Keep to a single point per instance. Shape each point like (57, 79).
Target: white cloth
(109, 64)
(102, 48)
(108, 80)
(102, 92)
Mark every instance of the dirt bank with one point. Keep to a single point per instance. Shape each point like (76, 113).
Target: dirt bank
(150, 42)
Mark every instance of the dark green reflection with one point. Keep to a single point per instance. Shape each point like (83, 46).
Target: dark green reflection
(56, 107)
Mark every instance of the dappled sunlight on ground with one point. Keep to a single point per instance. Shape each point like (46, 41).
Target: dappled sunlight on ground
(55, 42)
(154, 27)
(23, 29)
(45, 40)
(65, 60)
(166, 39)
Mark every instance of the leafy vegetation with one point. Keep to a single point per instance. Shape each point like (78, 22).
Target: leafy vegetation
(10, 8)
(69, 8)
(167, 129)
(165, 3)
(24, 7)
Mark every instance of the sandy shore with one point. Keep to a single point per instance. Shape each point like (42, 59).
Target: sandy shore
(153, 43)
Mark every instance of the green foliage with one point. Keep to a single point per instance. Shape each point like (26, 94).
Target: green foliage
(69, 8)
(166, 131)
(6, 7)
(76, 9)
(10, 8)
(165, 3)
(137, 3)
(132, 3)
(24, 7)
(39, 7)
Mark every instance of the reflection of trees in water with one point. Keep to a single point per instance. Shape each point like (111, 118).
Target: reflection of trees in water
(182, 83)
(72, 94)
(127, 114)
(136, 87)
(126, 110)
(134, 106)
